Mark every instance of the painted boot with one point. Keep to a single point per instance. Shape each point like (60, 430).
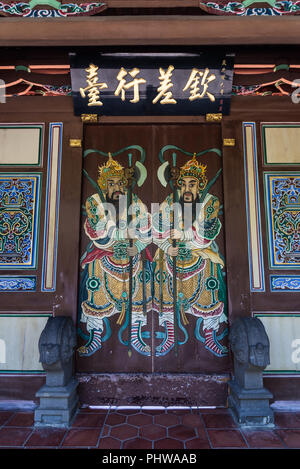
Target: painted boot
(136, 340)
(168, 342)
(92, 345)
(212, 344)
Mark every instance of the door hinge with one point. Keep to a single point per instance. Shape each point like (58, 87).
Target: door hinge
(228, 142)
(75, 142)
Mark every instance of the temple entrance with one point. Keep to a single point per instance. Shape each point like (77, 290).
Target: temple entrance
(133, 316)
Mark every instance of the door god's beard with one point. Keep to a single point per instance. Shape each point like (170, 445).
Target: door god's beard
(183, 203)
(116, 204)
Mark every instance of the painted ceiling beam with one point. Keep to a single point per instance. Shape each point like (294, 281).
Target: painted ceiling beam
(149, 30)
(256, 68)
(152, 3)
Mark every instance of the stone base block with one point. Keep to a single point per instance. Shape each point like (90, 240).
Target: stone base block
(58, 405)
(250, 407)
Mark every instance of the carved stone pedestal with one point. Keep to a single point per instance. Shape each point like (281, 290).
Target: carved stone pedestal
(58, 397)
(58, 405)
(248, 399)
(250, 407)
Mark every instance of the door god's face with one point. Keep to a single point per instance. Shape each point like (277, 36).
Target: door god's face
(189, 189)
(115, 188)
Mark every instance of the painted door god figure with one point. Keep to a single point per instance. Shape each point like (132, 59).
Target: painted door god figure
(188, 264)
(117, 278)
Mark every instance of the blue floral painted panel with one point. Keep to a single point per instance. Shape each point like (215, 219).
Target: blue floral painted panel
(19, 216)
(282, 191)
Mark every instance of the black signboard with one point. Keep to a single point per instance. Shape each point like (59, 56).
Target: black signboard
(151, 84)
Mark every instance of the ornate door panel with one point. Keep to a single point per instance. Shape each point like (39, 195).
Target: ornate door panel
(40, 180)
(200, 323)
(267, 215)
(134, 314)
(106, 279)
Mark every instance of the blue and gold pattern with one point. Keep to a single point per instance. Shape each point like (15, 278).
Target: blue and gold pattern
(285, 283)
(251, 8)
(14, 283)
(282, 193)
(56, 10)
(19, 216)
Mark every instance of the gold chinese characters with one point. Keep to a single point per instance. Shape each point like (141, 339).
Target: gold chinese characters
(93, 87)
(196, 85)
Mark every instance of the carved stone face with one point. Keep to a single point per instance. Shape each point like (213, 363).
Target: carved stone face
(250, 343)
(49, 353)
(258, 344)
(241, 353)
(57, 341)
(259, 355)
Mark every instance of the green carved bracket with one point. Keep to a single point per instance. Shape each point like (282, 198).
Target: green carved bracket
(247, 3)
(51, 3)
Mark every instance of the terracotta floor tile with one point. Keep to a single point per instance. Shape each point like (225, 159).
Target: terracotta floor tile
(40, 447)
(127, 411)
(167, 420)
(287, 420)
(10, 448)
(290, 437)
(137, 443)
(105, 431)
(71, 447)
(13, 436)
(124, 432)
(192, 420)
(153, 432)
(82, 437)
(218, 421)
(182, 433)
(5, 416)
(226, 439)
(115, 419)
(21, 419)
(168, 443)
(262, 439)
(139, 419)
(109, 443)
(197, 443)
(46, 437)
(89, 420)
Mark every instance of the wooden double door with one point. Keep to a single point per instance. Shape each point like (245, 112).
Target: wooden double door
(189, 335)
